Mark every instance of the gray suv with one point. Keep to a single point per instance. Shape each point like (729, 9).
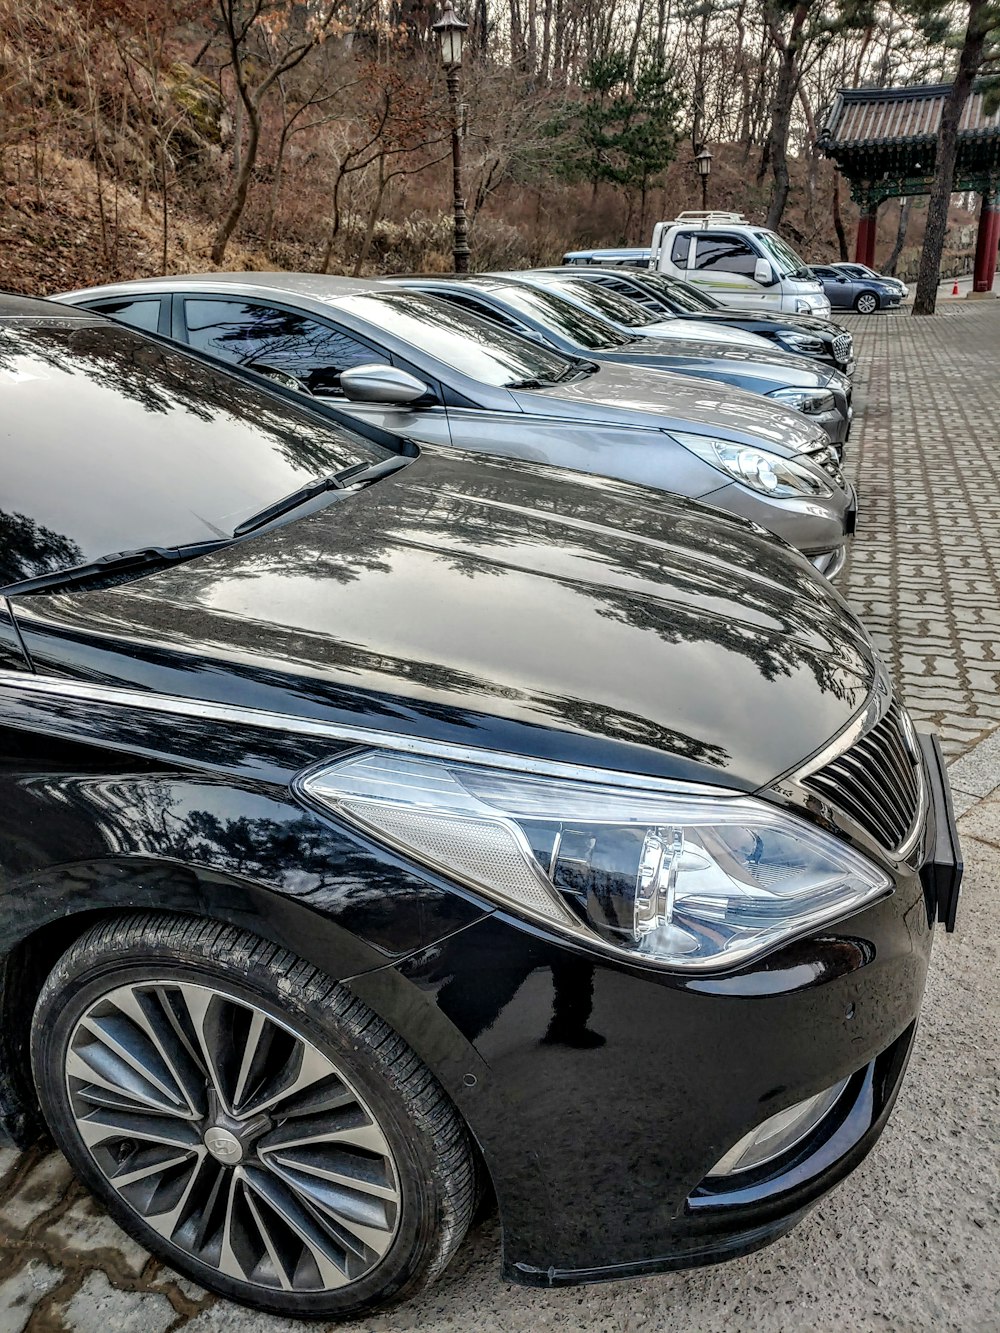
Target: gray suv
(426, 370)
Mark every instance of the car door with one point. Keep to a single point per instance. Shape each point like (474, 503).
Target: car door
(273, 338)
(839, 287)
(723, 264)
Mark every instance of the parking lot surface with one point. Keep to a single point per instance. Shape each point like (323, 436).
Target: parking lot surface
(912, 1240)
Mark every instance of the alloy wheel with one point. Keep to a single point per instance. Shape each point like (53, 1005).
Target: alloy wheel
(867, 304)
(233, 1136)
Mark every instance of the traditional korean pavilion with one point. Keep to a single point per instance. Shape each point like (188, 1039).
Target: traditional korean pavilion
(884, 140)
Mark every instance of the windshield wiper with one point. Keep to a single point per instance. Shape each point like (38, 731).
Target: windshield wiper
(538, 383)
(144, 559)
(579, 368)
(360, 474)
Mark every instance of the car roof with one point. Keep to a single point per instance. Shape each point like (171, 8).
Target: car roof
(320, 286)
(482, 280)
(14, 306)
(631, 252)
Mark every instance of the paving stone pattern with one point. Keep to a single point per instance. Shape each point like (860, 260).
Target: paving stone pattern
(924, 572)
(912, 1241)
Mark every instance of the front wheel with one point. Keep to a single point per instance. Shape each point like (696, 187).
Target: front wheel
(248, 1121)
(866, 303)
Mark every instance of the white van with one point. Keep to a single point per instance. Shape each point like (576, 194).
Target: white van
(738, 263)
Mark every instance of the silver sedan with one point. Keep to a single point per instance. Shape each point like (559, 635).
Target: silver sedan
(426, 370)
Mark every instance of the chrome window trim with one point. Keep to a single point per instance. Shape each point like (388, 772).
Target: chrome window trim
(117, 696)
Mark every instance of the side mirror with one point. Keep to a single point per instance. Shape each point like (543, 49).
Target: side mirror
(381, 384)
(763, 273)
(534, 336)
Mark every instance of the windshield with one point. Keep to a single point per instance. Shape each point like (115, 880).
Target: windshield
(112, 442)
(474, 347)
(587, 331)
(602, 302)
(784, 258)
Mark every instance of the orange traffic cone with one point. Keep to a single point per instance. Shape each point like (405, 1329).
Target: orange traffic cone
(954, 288)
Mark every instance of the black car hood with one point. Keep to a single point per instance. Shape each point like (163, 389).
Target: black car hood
(503, 605)
(802, 323)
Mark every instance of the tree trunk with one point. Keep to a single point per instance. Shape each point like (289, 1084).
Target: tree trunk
(373, 213)
(163, 187)
(838, 222)
(969, 60)
(334, 232)
(235, 211)
(784, 96)
(897, 249)
(279, 163)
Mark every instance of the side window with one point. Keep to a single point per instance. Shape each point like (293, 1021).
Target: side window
(142, 314)
(483, 310)
(724, 254)
(251, 334)
(634, 293)
(681, 246)
(822, 272)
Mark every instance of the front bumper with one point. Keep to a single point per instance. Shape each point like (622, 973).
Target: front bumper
(606, 1092)
(820, 528)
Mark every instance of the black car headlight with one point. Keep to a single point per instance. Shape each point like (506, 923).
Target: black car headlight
(803, 343)
(672, 875)
(760, 469)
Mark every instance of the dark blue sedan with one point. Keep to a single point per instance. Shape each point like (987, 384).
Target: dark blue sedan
(864, 294)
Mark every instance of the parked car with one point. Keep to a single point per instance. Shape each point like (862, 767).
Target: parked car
(863, 271)
(865, 295)
(374, 822)
(802, 335)
(738, 262)
(637, 320)
(630, 257)
(424, 369)
(823, 394)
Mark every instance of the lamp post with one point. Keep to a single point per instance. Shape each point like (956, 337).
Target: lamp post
(451, 33)
(703, 161)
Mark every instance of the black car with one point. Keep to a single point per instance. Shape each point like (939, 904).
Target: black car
(381, 827)
(806, 335)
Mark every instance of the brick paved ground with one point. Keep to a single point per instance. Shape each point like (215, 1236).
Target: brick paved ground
(913, 1240)
(924, 574)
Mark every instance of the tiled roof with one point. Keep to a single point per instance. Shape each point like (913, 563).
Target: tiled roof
(863, 117)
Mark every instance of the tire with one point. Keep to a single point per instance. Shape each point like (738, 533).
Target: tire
(866, 303)
(248, 1072)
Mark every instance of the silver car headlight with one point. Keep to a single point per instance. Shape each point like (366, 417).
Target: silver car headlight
(761, 470)
(813, 402)
(665, 873)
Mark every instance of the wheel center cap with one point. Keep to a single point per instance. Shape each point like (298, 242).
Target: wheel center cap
(223, 1146)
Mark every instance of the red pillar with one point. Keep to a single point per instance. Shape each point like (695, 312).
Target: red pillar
(864, 249)
(995, 242)
(986, 245)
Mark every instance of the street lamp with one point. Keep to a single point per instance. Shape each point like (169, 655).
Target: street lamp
(451, 33)
(703, 161)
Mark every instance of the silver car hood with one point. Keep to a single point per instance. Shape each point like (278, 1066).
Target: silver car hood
(663, 400)
(715, 335)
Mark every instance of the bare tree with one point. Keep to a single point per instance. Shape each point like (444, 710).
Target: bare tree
(265, 39)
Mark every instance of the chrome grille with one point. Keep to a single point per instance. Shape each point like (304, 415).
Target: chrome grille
(843, 346)
(877, 782)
